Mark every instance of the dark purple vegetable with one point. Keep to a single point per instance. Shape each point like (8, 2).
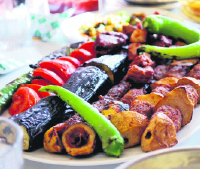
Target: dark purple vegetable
(39, 118)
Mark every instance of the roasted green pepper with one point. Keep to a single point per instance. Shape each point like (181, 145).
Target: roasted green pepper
(169, 27)
(112, 141)
(7, 92)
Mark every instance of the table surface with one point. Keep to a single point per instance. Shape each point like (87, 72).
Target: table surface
(39, 49)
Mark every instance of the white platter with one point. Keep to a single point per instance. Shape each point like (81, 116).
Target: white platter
(99, 159)
(70, 26)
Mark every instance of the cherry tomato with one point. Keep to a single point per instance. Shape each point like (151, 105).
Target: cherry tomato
(62, 68)
(36, 88)
(89, 47)
(72, 60)
(49, 75)
(42, 82)
(81, 54)
(23, 99)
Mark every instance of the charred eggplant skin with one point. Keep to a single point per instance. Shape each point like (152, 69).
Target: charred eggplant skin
(88, 83)
(115, 66)
(38, 119)
(51, 110)
(7, 92)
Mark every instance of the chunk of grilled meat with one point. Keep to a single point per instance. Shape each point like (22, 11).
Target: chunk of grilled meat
(115, 93)
(173, 113)
(131, 94)
(109, 42)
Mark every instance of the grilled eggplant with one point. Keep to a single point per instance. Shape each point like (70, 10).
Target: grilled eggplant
(39, 118)
(88, 82)
(116, 66)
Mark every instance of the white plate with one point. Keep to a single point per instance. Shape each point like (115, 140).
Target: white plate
(42, 156)
(70, 26)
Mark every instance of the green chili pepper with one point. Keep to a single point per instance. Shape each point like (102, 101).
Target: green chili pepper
(112, 141)
(169, 27)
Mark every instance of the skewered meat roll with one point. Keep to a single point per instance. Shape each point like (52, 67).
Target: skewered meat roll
(195, 72)
(114, 107)
(173, 113)
(79, 139)
(115, 93)
(119, 90)
(160, 71)
(143, 107)
(161, 90)
(74, 135)
(144, 104)
(191, 81)
(181, 98)
(191, 93)
(178, 71)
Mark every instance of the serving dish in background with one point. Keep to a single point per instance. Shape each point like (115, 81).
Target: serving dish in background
(101, 158)
(150, 1)
(191, 9)
(179, 158)
(70, 26)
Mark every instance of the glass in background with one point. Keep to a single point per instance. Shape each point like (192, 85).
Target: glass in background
(59, 6)
(15, 30)
(38, 7)
(11, 145)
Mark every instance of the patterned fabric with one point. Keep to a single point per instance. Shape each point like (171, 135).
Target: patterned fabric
(45, 27)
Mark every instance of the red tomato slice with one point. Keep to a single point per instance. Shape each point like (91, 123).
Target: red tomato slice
(49, 75)
(72, 60)
(81, 54)
(62, 68)
(36, 88)
(42, 82)
(23, 99)
(89, 47)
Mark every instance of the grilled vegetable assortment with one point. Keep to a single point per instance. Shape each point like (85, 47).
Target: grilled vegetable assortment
(7, 92)
(112, 142)
(38, 119)
(114, 92)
